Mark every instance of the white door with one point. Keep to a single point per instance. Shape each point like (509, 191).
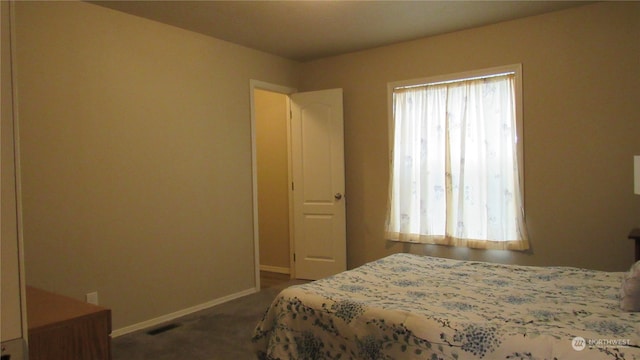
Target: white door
(317, 140)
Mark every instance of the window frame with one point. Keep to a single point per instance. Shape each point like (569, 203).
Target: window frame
(516, 71)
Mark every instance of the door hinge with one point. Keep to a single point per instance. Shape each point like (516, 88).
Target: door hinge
(293, 187)
(294, 257)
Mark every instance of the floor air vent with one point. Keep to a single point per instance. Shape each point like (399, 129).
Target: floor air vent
(162, 329)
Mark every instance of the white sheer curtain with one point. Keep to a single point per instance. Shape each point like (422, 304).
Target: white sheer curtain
(454, 176)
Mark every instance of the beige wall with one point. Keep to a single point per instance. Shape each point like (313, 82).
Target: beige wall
(581, 125)
(136, 158)
(136, 153)
(273, 184)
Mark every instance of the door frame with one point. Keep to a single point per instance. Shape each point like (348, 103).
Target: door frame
(285, 90)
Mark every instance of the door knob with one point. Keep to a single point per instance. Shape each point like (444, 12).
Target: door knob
(338, 196)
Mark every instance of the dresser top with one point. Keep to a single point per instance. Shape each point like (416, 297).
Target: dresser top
(45, 308)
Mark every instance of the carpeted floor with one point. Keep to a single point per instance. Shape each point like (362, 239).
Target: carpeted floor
(222, 332)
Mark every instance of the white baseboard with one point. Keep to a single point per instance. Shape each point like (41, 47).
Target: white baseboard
(180, 313)
(275, 269)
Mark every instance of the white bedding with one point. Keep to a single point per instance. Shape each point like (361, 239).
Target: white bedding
(417, 307)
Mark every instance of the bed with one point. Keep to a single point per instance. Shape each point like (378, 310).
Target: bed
(407, 306)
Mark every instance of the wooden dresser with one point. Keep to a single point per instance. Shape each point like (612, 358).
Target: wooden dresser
(63, 328)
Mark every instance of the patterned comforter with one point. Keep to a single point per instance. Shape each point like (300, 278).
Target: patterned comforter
(417, 307)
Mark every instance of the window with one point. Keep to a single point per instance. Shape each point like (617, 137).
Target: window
(456, 171)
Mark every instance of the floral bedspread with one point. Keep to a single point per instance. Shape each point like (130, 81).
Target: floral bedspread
(418, 307)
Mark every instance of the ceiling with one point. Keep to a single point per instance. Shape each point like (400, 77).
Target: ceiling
(305, 30)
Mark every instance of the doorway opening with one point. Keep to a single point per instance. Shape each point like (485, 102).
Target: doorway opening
(271, 181)
(314, 126)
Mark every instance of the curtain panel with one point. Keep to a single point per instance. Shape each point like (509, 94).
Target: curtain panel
(454, 173)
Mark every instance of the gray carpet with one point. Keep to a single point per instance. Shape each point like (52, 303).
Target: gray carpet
(222, 332)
